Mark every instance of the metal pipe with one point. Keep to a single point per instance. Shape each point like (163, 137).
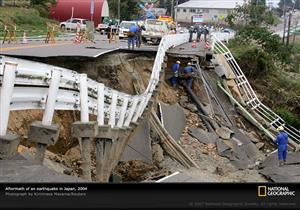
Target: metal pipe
(200, 108)
(6, 93)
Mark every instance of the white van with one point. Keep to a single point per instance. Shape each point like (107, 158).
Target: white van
(155, 30)
(124, 28)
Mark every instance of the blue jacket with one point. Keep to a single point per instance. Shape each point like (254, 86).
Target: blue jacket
(188, 69)
(282, 140)
(175, 67)
(134, 28)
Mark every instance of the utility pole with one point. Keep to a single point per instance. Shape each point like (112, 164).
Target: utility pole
(289, 29)
(172, 9)
(119, 10)
(284, 25)
(176, 15)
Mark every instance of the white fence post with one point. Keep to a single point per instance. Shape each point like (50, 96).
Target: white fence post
(8, 81)
(123, 112)
(51, 98)
(131, 112)
(84, 109)
(139, 108)
(100, 104)
(113, 106)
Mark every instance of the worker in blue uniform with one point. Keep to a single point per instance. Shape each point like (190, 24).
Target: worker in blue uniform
(282, 141)
(175, 73)
(188, 73)
(132, 36)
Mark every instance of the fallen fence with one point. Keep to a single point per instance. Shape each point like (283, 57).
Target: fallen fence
(27, 85)
(249, 96)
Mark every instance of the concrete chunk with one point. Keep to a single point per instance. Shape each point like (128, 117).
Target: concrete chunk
(221, 147)
(81, 130)
(8, 145)
(224, 132)
(202, 136)
(44, 134)
(174, 119)
(139, 147)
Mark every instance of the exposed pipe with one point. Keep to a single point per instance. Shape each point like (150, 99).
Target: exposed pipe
(201, 108)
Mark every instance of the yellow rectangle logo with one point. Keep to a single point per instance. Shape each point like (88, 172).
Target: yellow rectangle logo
(262, 191)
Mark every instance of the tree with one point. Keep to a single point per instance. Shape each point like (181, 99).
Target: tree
(129, 9)
(42, 6)
(42, 2)
(254, 13)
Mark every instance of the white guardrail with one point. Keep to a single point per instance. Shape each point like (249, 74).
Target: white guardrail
(249, 96)
(32, 85)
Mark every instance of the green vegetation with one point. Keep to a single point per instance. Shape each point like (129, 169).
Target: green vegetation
(24, 19)
(272, 68)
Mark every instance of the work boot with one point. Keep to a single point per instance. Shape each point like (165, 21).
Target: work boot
(284, 162)
(281, 163)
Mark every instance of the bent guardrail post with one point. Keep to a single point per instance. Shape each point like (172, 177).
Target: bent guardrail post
(8, 142)
(84, 130)
(45, 133)
(107, 136)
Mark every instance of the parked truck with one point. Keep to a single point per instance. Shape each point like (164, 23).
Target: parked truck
(155, 30)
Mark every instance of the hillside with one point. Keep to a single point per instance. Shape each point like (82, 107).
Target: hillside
(24, 18)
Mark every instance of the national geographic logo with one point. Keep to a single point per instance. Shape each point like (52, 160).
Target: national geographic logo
(264, 191)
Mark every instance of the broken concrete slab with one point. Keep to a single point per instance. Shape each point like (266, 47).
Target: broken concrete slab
(203, 136)
(224, 132)
(174, 119)
(192, 107)
(181, 177)
(24, 171)
(253, 137)
(139, 148)
(8, 145)
(221, 147)
(287, 173)
(272, 160)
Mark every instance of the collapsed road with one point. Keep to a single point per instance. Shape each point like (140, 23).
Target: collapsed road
(196, 134)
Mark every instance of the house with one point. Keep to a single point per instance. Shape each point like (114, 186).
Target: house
(204, 11)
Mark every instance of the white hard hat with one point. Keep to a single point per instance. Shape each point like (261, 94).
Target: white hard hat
(189, 63)
(280, 128)
(178, 62)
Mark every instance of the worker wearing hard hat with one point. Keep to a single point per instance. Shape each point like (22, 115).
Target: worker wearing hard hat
(282, 141)
(188, 75)
(175, 73)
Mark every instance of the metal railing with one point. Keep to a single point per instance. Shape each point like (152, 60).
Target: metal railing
(250, 98)
(31, 85)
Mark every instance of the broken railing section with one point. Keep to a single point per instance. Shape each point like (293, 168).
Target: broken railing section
(45, 87)
(226, 66)
(8, 142)
(44, 133)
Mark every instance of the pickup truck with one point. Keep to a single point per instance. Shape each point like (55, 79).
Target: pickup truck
(155, 30)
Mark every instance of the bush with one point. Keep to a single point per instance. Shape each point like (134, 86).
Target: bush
(254, 61)
(289, 117)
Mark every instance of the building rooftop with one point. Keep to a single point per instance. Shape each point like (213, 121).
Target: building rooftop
(212, 4)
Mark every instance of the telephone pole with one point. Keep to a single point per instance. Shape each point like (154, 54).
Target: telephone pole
(172, 9)
(119, 10)
(284, 25)
(289, 29)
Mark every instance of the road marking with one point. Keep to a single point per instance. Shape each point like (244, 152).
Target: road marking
(32, 46)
